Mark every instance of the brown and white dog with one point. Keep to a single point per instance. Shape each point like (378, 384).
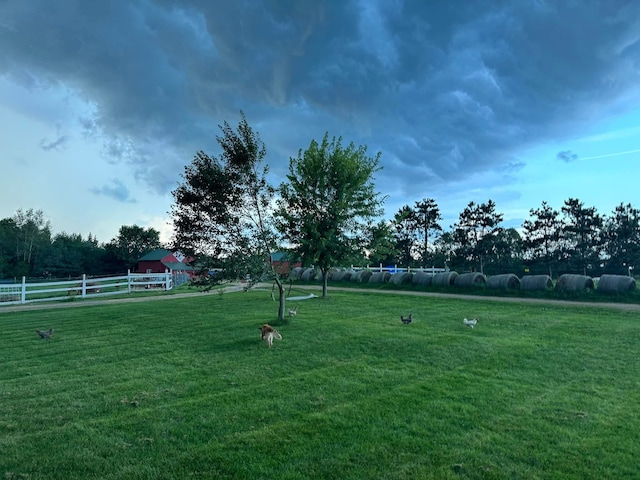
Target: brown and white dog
(268, 333)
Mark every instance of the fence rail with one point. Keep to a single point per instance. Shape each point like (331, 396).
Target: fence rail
(86, 287)
(396, 269)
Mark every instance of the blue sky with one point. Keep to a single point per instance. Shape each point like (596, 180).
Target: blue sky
(102, 104)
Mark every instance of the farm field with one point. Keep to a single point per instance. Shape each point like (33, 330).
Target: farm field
(184, 388)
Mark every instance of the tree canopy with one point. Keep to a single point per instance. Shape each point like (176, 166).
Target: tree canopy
(328, 203)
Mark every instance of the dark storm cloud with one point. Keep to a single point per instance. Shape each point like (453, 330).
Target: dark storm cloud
(57, 144)
(567, 156)
(444, 89)
(116, 190)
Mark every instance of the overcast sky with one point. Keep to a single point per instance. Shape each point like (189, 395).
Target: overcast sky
(103, 103)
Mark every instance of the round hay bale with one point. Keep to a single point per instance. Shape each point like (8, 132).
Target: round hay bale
(342, 276)
(536, 282)
(361, 276)
(308, 275)
(444, 279)
(570, 282)
(379, 277)
(616, 284)
(468, 280)
(401, 278)
(296, 273)
(422, 278)
(506, 281)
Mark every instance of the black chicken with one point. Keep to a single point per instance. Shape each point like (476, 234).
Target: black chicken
(45, 333)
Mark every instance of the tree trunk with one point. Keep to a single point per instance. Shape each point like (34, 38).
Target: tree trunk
(281, 299)
(325, 280)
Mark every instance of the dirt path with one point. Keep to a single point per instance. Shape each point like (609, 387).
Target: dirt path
(317, 290)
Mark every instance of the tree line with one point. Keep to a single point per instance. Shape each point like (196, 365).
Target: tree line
(327, 213)
(574, 239)
(29, 249)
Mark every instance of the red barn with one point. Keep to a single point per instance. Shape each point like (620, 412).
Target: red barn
(283, 264)
(157, 261)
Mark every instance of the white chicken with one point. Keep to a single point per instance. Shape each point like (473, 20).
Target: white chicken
(470, 323)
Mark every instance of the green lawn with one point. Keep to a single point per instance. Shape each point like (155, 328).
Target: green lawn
(184, 388)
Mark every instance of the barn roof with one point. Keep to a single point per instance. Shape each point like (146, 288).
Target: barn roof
(155, 255)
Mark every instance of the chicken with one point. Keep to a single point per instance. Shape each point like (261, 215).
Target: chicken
(407, 320)
(45, 333)
(470, 323)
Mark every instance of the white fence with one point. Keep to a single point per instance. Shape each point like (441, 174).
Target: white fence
(19, 293)
(396, 269)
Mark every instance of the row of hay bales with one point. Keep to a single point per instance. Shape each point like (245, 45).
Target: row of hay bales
(507, 281)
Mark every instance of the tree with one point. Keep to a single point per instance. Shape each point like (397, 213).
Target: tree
(222, 211)
(506, 245)
(542, 236)
(582, 234)
(622, 237)
(70, 256)
(131, 243)
(426, 216)
(405, 227)
(474, 230)
(33, 236)
(328, 202)
(380, 243)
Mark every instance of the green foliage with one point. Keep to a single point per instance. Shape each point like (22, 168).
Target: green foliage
(475, 232)
(542, 237)
(166, 390)
(328, 203)
(582, 235)
(222, 211)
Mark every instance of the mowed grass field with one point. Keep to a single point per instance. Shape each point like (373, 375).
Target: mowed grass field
(184, 388)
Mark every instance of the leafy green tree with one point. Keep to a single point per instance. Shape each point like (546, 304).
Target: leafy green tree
(506, 248)
(405, 234)
(222, 210)
(328, 202)
(8, 241)
(473, 233)
(380, 243)
(542, 234)
(426, 217)
(582, 234)
(446, 249)
(33, 238)
(131, 243)
(622, 237)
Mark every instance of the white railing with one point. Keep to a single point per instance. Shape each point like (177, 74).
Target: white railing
(396, 269)
(20, 293)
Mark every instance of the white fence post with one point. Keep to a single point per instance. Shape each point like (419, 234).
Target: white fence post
(129, 281)
(84, 285)
(23, 295)
(167, 280)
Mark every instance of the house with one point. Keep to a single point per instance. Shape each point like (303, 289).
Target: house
(159, 260)
(283, 263)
